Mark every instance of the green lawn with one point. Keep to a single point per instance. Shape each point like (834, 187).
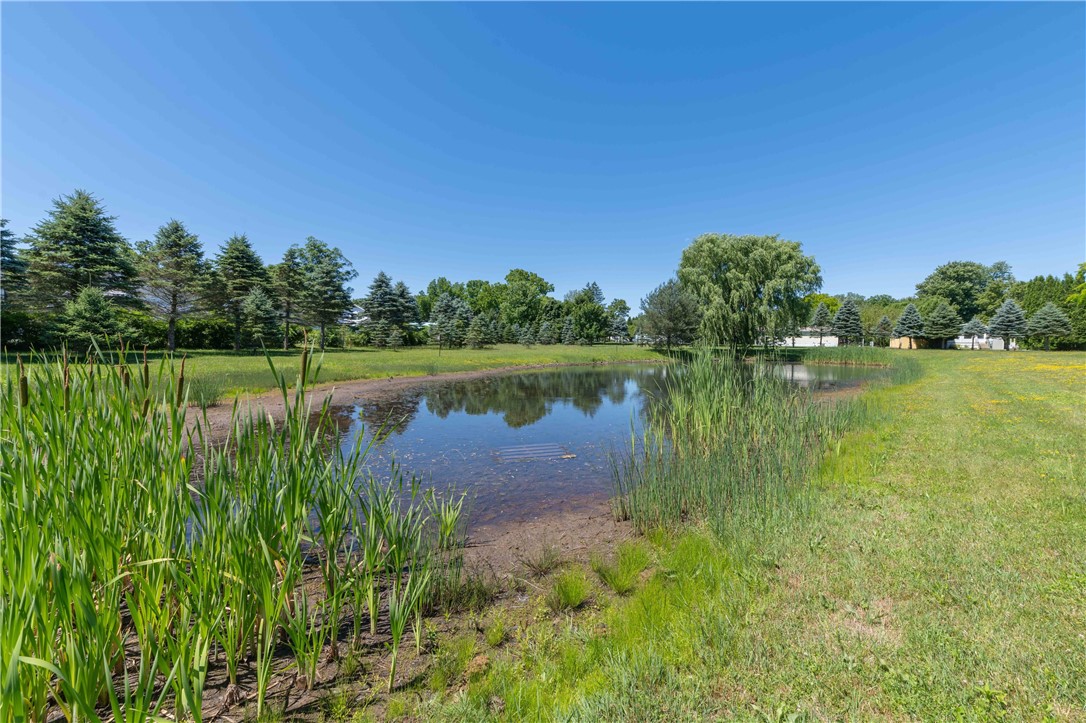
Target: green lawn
(940, 576)
(228, 373)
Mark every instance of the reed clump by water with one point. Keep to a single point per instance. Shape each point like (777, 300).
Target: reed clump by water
(729, 439)
(131, 546)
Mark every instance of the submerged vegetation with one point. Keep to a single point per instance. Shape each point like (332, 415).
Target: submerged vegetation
(132, 547)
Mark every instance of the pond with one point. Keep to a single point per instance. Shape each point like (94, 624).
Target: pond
(528, 442)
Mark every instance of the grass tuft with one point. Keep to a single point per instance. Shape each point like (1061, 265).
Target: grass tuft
(569, 591)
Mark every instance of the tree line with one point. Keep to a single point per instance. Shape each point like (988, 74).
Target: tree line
(744, 291)
(74, 278)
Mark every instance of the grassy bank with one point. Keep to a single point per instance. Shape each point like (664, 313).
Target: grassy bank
(224, 374)
(938, 575)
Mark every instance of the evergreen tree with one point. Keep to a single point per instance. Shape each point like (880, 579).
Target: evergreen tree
(91, 317)
(883, 330)
(1049, 321)
(942, 324)
(260, 319)
(910, 324)
(12, 266)
(974, 328)
(548, 334)
(395, 338)
(821, 320)
(238, 270)
(76, 246)
(619, 312)
(381, 304)
(1008, 322)
(326, 296)
(449, 321)
(568, 337)
(847, 324)
(171, 269)
(527, 338)
(407, 309)
(671, 314)
(475, 337)
(288, 282)
(378, 333)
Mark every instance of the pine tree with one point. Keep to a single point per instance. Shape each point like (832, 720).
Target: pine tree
(381, 305)
(378, 333)
(450, 319)
(568, 337)
(821, 321)
(171, 269)
(475, 337)
(671, 314)
(883, 330)
(91, 317)
(910, 324)
(942, 324)
(527, 338)
(326, 296)
(974, 328)
(395, 338)
(238, 270)
(12, 266)
(546, 333)
(77, 246)
(407, 309)
(1049, 321)
(260, 319)
(288, 282)
(1008, 322)
(847, 324)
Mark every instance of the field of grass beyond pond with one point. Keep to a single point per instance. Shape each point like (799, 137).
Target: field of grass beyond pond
(221, 374)
(940, 575)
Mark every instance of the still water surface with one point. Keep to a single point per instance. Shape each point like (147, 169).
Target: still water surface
(528, 442)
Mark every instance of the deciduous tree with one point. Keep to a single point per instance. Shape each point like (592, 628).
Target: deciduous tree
(745, 283)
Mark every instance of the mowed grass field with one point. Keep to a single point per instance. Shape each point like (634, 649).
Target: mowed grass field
(226, 373)
(941, 575)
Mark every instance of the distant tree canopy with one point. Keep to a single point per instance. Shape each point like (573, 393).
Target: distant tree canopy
(671, 314)
(962, 284)
(749, 286)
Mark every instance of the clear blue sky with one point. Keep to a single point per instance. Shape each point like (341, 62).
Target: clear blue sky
(583, 142)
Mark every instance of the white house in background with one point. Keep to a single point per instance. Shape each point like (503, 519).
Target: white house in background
(806, 341)
(994, 343)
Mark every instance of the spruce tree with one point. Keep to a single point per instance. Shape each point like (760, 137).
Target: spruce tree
(12, 266)
(821, 320)
(91, 317)
(76, 246)
(326, 296)
(395, 338)
(974, 328)
(883, 330)
(288, 282)
(407, 309)
(260, 319)
(238, 270)
(942, 324)
(568, 337)
(910, 324)
(450, 319)
(527, 338)
(381, 305)
(1008, 322)
(546, 333)
(171, 269)
(670, 314)
(847, 324)
(475, 337)
(1049, 321)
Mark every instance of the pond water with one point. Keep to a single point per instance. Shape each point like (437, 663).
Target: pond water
(527, 442)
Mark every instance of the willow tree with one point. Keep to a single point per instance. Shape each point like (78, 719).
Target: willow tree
(747, 285)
